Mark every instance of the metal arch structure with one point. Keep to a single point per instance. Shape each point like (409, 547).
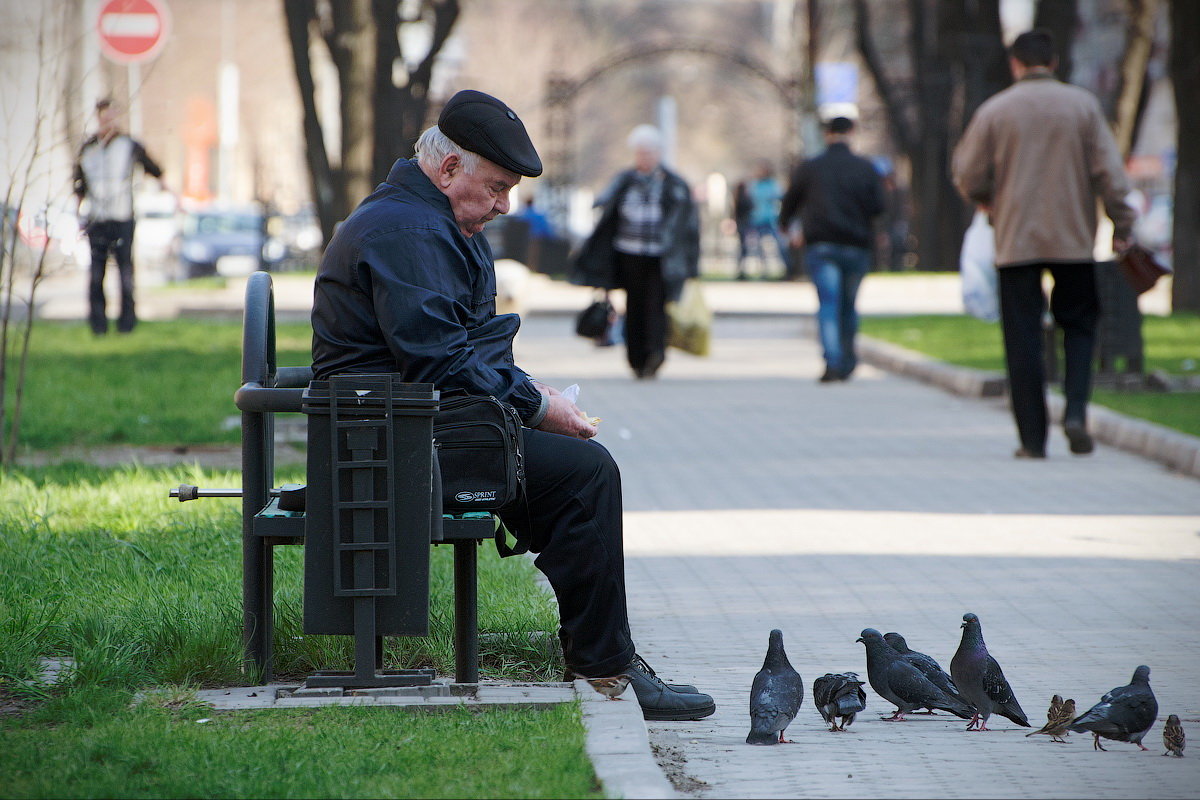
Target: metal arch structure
(561, 92)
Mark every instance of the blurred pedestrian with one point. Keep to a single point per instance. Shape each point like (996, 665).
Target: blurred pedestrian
(1036, 156)
(765, 193)
(741, 221)
(540, 226)
(647, 242)
(104, 173)
(836, 195)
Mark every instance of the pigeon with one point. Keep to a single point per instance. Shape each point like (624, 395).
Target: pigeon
(839, 696)
(775, 695)
(899, 682)
(1173, 738)
(981, 681)
(927, 664)
(610, 687)
(1058, 717)
(1125, 714)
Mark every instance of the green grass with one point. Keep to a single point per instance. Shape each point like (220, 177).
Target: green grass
(100, 566)
(105, 748)
(167, 383)
(1172, 345)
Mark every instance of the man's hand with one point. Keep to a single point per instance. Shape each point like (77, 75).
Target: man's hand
(564, 417)
(1122, 243)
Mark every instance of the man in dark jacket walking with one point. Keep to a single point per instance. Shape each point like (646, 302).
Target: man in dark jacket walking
(647, 242)
(407, 286)
(835, 195)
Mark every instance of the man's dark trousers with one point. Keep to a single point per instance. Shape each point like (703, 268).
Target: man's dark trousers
(117, 238)
(573, 521)
(1076, 308)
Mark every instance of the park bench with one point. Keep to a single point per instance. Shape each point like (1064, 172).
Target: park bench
(375, 498)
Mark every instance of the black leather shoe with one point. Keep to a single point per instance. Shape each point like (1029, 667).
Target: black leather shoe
(659, 701)
(1078, 438)
(831, 375)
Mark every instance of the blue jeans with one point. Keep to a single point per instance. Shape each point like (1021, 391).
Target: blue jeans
(837, 271)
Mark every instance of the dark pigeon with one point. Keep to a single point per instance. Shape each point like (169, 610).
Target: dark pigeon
(981, 681)
(929, 666)
(902, 684)
(1126, 713)
(839, 696)
(775, 695)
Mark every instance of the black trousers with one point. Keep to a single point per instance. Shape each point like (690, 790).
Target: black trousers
(1076, 308)
(116, 238)
(572, 520)
(645, 311)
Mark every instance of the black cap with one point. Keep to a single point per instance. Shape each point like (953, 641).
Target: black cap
(840, 125)
(482, 124)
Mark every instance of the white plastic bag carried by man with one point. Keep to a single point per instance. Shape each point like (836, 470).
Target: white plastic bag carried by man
(977, 266)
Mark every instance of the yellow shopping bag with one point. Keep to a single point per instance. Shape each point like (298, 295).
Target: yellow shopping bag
(689, 321)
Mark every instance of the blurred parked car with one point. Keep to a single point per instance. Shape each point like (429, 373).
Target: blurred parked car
(226, 241)
(156, 231)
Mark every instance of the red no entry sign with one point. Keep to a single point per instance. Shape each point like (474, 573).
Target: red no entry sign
(132, 31)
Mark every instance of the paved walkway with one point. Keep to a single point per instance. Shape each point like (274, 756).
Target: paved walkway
(757, 498)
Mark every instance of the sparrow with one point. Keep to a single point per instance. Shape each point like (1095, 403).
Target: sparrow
(1057, 719)
(1173, 738)
(610, 687)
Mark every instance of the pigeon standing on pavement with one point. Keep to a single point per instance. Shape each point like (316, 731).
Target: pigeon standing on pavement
(839, 696)
(1057, 718)
(1173, 738)
(1125, 714)
(899, 682)
(775, 695)
(981, 681)
(928, 665)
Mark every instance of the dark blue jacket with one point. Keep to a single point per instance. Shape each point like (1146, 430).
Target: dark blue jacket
(400, 289)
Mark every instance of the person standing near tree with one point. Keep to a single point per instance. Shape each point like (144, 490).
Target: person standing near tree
(836, 195)
(647, 242)
(1035, 157)
(104, 179)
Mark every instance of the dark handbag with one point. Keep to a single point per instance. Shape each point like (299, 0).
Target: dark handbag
(478, 441)
(1140, 268)
(593, 321)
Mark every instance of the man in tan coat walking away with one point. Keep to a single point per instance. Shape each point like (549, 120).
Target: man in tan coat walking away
(1035, 157)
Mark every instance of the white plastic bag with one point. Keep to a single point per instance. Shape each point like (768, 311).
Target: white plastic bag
(977, 266)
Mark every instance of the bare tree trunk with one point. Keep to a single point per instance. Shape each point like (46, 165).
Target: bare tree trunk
(1138, 42)
(1059, 17)
(353, 47)
(1184, 66)
(300, 15)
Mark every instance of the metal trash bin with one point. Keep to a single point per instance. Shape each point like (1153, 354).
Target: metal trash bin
(368, 516)
(1119, 329)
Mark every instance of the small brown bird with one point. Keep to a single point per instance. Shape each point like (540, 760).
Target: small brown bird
(1173, 738)
(610, 687)
(1058, 717)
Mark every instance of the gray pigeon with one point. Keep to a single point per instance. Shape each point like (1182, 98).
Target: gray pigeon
(899, 682)
(981, 681)
(1126, 713)
(929, 666)
(775, 695)
(839, 696)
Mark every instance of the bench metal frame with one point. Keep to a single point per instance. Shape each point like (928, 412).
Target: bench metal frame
(266, 390)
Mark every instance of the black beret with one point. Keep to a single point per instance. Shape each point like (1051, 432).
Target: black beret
(840, 125)
(482, 124)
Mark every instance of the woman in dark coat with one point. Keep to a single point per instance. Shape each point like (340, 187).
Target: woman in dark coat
(647, 242)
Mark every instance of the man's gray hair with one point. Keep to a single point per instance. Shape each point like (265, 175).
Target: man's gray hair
(646, 136)
(433, 146)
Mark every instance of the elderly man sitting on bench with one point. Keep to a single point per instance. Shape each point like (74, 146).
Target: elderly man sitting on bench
(407, 287)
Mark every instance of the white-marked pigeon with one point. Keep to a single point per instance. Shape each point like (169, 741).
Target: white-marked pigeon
(839, 696)
(928, 665)
(1173, 737)
(1126, 713)
(899, 682)
(981, 681)
(775, 695)
(1058, 716)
